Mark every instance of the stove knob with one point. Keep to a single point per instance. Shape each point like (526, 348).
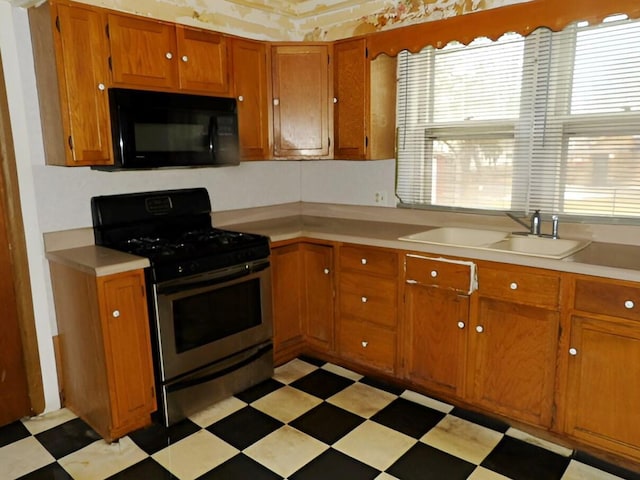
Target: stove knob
(180, 269)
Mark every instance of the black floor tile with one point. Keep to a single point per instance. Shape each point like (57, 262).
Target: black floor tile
(12, 433)
(520, 460)
(327, 422)
(244, 427)
(322, 383)
(408, 417)
(479, 419)
(334, 465)
(387, 387)
(240, 467)
(156, 437)
(312, 361)
(52, 471)
(67, 437)
(147, 469)
(423, 462)
(260, 390)
(606, 467)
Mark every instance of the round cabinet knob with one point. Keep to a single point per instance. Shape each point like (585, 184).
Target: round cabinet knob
(185, 58)
(513, 286)
(434, 273)
(573, 351)
(326, 271)
(364, 344)
(364, 299)
(240, 98)
(335, 100)
(363, 261)
(461, 325)
(115, 313)
(629, 304)
(276, 101)
(101, 86)
(479, 329)
(169, 55)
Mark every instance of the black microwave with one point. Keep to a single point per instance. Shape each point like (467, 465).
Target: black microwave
(164, 129)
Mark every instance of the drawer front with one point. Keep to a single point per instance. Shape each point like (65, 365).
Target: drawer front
(368, 344)
(519, 286)
(369, 298)
(608, 299)
(370, 260)
(431, 271)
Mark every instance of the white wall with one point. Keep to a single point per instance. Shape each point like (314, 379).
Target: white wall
(58, 198)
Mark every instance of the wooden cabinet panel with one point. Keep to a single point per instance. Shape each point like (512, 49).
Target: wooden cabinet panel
(614, 299)
(203, 61)
(71, 61)
(369, 298)
(143, 52)
(520, 284)
(368, 344)
(251, 84)
(318, 299)
(514, 358)
(603, 389)
(436, 336)
(439, 273)
(369, 260)
(301, 122)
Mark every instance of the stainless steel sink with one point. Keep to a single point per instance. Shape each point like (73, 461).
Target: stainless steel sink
(457, 236)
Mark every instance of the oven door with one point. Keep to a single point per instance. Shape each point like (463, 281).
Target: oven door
(205, 318)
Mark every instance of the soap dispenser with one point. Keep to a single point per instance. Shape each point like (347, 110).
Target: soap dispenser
(536, 223)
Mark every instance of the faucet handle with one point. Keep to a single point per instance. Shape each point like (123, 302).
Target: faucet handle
(536, 223)
(554, 226)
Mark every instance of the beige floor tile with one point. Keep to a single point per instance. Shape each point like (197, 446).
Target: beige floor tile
(463, 439)
(285, 450)
(580, 471)
(40, 423)
(21, 457)
(482, 473)
(553, 447)
(375, 444)
(343, 372)
(385, 476)
(362, 399)
(217, 411)
(100, 459)
(427, 401)
(293, 370)
(195, 455)
(286, 403)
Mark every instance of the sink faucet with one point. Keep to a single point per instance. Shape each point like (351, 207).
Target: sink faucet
(536, 223)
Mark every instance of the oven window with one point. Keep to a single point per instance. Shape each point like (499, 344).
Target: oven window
(210, 316)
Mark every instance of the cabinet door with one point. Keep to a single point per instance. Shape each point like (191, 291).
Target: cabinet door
(123, 310)
(83, 80)
(351, 93)
(203, 62)
(143, 52)
(436, 336)
(286, 270)
(301, 101)
(318, 287)
(514, 359)
(604, 384)
(251, 82)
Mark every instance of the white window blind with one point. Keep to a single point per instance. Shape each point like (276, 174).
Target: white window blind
(550, 121)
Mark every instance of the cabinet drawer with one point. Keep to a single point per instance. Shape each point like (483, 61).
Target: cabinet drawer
(519, 285)
(370, 260)
(608, 299)
(368, 344)
(368, 298)
(432, 271)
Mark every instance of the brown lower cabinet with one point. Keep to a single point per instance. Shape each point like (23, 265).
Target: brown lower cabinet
(556, 351)
(105, 348)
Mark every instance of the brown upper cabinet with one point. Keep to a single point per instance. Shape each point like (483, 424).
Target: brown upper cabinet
(302, 121)
(70, 53)
(152, 54)
(251, 86)
(364, 102)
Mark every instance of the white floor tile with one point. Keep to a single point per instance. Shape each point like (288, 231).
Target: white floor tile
(293, 370)
(40, 423)
(362, 399)
(22, 457)
(580, 471)
(217, 411)
(525, 437)
(482, 473)
(426, 401)
(343, 372)
(286, 403)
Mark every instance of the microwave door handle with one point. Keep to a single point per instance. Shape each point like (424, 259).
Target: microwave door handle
(213, 132)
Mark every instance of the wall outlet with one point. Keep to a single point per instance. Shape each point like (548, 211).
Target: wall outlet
(381, 197)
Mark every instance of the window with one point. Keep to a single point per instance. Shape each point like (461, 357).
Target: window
(550, 121)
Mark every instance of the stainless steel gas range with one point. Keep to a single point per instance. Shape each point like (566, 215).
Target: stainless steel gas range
(209, 295)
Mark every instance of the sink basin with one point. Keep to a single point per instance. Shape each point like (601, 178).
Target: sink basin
(460, 237)
(540, 246)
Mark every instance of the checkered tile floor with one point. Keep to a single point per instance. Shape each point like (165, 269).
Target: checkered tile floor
(312, 421)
